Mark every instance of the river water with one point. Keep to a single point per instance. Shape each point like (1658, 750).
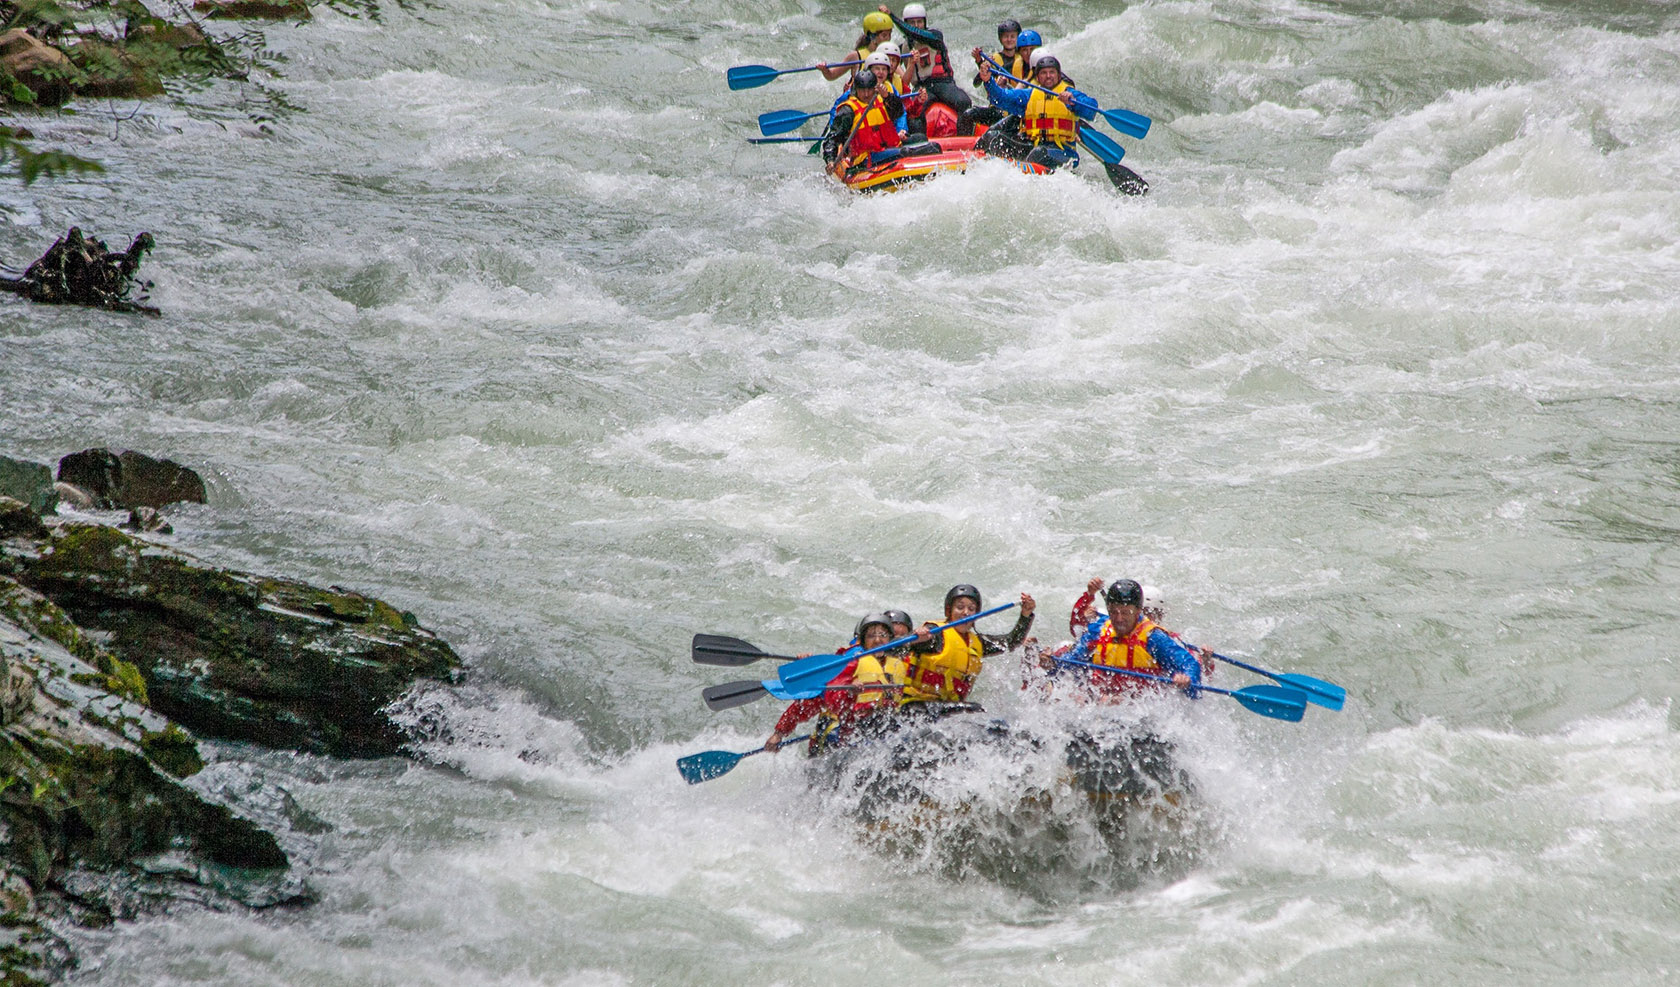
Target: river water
(507, 324)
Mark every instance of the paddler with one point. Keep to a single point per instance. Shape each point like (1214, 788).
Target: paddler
(861, 126)
(944, 668)
(839, 708)
(1127, 639)
(886, 83)
(930, 62)
(1049, 121)
(877, 28)
(1013, 61)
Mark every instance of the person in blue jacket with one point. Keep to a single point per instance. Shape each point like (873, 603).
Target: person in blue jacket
(1049, 116)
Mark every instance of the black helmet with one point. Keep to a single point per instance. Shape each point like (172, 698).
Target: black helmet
(1124, 592)
(1046, 60)
(961, 590)
(900, 617)
(873, 618)
(1009, 25)
(864, 79)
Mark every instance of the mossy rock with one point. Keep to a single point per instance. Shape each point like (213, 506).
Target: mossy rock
(226, 654)
(113, 71)
(174, 750)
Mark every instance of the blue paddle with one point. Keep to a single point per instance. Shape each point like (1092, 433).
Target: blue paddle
(1101, 145)
(706, 765)
(1130, 123)
(1267, 700)
(782, 121)
(753, 76)
(783, 140)
(813, 673)
(1326, 694)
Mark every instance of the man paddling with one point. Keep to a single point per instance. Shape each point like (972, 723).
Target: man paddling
(861, 126)
(1131, 641)
(1050, 116)
(839, 709)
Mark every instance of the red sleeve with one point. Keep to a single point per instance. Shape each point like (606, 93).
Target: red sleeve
(798, 712)
(1076, 626)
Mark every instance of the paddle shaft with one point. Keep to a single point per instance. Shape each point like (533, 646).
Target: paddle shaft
(706, 765)
(818, 666)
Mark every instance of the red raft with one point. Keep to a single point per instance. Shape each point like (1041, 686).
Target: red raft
(955, 155)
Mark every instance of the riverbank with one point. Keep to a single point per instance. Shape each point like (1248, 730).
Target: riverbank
(118, 654)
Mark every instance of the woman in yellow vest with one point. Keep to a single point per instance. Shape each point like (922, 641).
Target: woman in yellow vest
(877, 28)
(944, 668)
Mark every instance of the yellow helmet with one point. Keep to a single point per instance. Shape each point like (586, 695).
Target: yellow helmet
(876, 21)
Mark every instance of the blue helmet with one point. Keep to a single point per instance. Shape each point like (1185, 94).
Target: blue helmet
(1028, 39)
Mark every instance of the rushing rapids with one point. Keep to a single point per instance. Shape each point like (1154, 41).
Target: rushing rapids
(508, 326)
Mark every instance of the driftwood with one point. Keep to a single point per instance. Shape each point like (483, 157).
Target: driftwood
(80, 270)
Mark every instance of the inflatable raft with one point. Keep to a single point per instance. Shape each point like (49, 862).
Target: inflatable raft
(954, 156)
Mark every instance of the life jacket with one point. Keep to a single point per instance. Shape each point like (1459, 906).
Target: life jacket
(1130, 651)
(1049, 121)
(936, 69)
(842, 709)
(948, 673)
(1015, 65)
(872, 130)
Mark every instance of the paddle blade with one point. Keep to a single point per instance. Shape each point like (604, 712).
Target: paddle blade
(782, 121)
(715, 649)
(1326, 694)
(750, 76)
(1273, 701)
(1128, 123)
(706, 765)
(732, 694)
(815, 673)
(1101, 145)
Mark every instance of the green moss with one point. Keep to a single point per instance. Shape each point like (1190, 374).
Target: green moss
(174, 750)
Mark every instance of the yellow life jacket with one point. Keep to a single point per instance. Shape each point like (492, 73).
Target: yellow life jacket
(947, 674)
(1015, 65)
(1049, 121)
(1130, 651)
(870, 671)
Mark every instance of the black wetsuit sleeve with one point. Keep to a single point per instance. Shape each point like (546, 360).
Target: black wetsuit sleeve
(997, 644)
(934, 39)
(838, 130)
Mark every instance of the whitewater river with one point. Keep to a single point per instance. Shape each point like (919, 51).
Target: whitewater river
(508, 324)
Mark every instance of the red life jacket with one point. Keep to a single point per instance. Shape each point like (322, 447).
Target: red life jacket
(872, 130)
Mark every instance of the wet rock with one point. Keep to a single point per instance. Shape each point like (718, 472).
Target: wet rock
(240, 656)
(267, 10)
(176, 36)
(17, 519)
(73, 495)
(43, 69)
(112, 72)
(147, 519)
(29, 482)
(130, 479)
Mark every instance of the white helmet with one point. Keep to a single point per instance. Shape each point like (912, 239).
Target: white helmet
(878, 59)
(1040, 55)
(915, 10)
(1154, 604)
(888, 48)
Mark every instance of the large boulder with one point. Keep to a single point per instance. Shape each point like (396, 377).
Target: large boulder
(44, 70)
(130, 479)
(29, 482)
(234, 655)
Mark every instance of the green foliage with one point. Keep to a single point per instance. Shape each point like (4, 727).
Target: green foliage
(43, 18)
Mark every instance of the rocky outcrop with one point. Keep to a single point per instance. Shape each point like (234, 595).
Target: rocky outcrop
(236, 655)
(114, 652)
(130, 479)
(81, 270)
(29, 482)
(44, 70)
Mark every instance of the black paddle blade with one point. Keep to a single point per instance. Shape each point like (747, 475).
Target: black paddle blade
(715, 649)
(732, 694)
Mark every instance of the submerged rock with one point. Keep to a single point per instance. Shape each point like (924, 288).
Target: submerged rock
(241, 656)
(81, 270)
(130, 479)
(42, 69)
